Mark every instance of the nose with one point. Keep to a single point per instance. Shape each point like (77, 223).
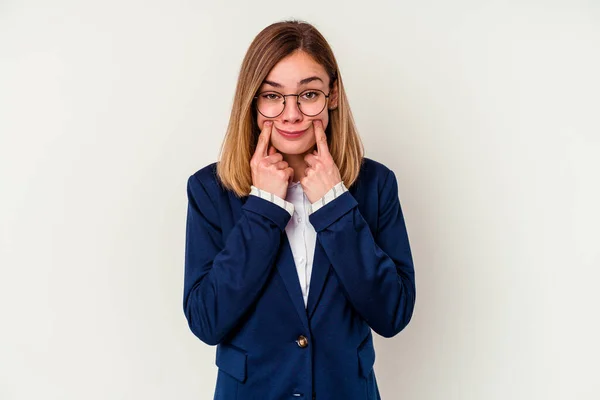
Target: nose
(291, 111)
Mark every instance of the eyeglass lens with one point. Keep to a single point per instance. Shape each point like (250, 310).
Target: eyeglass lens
(310, 102)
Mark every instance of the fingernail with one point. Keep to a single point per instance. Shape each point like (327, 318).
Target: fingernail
(268, 123)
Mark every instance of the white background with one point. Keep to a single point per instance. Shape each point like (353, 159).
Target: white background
(486, 110)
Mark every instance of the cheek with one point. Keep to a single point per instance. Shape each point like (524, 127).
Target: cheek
(260, 120)
(324, 118)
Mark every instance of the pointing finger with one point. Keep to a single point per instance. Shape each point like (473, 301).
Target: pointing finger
(320, 137)
(264, 138)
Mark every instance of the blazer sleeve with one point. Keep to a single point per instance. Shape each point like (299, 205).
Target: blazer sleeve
(224, 276)
(375, 269)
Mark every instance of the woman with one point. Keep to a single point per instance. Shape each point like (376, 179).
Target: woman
(296, 245)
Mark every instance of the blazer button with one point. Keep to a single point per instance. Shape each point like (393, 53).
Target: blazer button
(302, 341)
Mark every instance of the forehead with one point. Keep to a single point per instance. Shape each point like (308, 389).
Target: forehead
(295, 67)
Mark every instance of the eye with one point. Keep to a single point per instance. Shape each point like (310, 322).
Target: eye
(270, 96)
(311, 95)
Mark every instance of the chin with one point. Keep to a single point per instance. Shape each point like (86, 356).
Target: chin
(293, 148)
(292, 151)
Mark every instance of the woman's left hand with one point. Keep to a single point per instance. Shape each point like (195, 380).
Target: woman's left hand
(321, 174)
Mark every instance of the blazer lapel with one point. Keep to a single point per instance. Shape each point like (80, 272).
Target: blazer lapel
(287, 270)
(320, 270)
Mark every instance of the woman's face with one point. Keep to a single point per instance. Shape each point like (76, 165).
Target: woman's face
(293, 131)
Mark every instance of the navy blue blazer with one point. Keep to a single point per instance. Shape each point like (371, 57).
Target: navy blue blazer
(241, 289)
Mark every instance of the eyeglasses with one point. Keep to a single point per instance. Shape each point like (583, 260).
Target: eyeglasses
(310, 102)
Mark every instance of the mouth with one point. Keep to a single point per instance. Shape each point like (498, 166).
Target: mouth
(291, 134)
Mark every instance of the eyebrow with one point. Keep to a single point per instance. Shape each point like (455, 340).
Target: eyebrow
(302, 82)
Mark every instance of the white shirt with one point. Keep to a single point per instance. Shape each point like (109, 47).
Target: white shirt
(301, 234)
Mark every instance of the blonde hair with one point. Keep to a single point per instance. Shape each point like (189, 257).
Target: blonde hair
(272, 44)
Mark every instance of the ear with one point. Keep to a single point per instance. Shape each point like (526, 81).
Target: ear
(333, 96)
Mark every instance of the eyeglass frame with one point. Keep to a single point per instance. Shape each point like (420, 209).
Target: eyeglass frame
(297, 102)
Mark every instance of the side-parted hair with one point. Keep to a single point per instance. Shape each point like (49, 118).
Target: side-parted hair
(270, 46)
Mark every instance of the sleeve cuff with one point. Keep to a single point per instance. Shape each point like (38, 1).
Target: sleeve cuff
(268, 210)
(332, 211)
(333, 194)
(286, 205)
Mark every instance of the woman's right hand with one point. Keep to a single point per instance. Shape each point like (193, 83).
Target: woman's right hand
(269, 172)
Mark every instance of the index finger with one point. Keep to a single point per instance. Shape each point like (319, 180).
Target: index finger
(320, 137)
(263, 139)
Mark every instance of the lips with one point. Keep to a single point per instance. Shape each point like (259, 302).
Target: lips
(291, 134)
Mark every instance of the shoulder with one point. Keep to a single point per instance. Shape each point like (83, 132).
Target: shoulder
(204, 184)
(372, 168)
(205, 177)
(373, 175)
